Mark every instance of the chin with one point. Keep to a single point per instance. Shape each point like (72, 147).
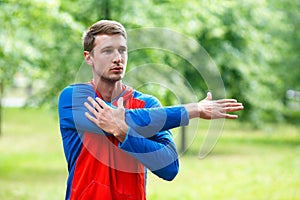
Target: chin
(114, 79)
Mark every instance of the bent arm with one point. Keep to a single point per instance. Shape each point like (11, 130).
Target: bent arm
(158, 153)
(71, 109)
(145, 139)
(150, 120)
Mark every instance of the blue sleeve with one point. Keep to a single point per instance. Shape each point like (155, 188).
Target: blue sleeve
(158, 153)
(148, 121)
(71, 109)
(154, 145)
(145, 120)
(148, 138)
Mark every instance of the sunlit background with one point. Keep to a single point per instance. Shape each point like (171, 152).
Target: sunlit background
(254, 45)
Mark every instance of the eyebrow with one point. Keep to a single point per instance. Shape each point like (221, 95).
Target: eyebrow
(109, 47)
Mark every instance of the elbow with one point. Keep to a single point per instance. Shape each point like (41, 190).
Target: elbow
(169, 172)
(171, 175)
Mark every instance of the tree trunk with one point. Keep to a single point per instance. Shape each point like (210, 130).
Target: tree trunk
(107, 9)
(183, 139)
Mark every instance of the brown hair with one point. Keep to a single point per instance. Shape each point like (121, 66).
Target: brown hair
(107, 27)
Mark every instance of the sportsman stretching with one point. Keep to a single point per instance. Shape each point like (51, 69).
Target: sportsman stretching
(108, 147)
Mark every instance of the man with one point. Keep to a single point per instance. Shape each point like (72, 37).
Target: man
(108, 147)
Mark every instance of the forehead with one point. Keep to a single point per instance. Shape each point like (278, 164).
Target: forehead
(117, 40)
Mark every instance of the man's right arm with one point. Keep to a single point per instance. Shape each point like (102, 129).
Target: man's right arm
(72, 113)
(159, 156)
(71, 109)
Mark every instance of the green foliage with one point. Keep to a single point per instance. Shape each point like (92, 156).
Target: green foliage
(240, 37)
(39, 41)
(254, 44)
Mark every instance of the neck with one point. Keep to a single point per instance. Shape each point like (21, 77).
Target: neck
(109, 90)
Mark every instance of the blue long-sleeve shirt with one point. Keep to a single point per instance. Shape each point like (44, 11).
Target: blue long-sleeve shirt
(90, 152)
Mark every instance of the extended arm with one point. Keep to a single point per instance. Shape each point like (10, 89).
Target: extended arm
(157, 119)
(138, 139)
(157, 152)
(159, 157)
(151, 120)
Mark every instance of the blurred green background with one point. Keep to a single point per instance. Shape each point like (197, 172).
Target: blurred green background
(246, 163)
(254, 44)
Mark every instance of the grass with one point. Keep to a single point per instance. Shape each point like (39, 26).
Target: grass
(32, 165)
(245, 163)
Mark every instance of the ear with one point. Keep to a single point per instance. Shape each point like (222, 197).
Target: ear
(88, 58)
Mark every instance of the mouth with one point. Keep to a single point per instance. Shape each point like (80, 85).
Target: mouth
(116, 69)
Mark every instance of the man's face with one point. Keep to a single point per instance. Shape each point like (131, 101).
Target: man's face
(109, 57)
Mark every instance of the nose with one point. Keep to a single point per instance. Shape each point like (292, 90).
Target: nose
(117, 58)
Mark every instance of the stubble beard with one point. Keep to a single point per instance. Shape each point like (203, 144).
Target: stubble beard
(112, 79)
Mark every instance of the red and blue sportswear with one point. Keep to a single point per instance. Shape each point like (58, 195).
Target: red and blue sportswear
(101, 167)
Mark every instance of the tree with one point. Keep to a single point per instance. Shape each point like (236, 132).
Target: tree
(253, 43)
(248, 42)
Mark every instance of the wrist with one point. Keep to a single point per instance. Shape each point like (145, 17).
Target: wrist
(121, 132)
(193, 110)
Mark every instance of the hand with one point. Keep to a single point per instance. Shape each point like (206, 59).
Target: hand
(214, 109)
(108, 119)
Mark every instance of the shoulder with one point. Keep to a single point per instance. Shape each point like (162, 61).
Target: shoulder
(150, 100)
(75, 89)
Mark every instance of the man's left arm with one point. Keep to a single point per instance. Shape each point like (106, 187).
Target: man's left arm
(152, 145)
(158, 153)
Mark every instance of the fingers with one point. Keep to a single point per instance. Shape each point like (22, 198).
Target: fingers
(214, 109)
(90, 117)
(232, 107)
(101, 103)
(93, 107)
(97, 106)
(226, 101)
(94, 103)
(217, 115)
(90, 108)
(208, 96)
(226, 107)
(234, 104)
(229, 105)
(223, 108)
(229, 116)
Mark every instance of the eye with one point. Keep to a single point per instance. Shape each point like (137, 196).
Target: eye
(107, 51)
(122, 50)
